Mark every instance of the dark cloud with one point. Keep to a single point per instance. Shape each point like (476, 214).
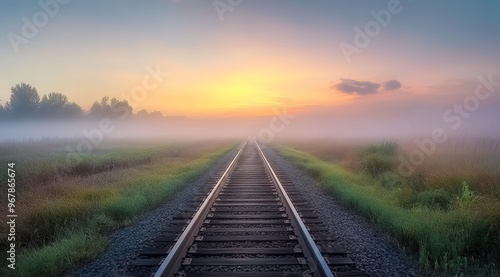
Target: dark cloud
(350, 86)
(392, 85)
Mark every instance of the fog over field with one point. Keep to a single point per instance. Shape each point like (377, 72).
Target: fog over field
(385, 120)
(262, 128)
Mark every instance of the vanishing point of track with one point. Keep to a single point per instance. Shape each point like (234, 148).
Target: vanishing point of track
(248, 220)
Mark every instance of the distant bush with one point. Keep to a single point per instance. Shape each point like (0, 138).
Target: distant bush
(385, 149)
(434, 199)
(378, 159)
(390, 180)
(405, 196)
(466, 197)
(375, 164)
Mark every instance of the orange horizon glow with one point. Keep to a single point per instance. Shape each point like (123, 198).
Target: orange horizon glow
(263, 57)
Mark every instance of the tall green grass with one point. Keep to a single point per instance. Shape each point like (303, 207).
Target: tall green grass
(450, 233)
(60, 255)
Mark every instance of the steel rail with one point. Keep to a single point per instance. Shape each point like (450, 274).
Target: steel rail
(171, 263)
(319, 262)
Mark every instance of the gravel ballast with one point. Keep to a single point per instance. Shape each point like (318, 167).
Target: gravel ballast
(371, 251)
(125, 244)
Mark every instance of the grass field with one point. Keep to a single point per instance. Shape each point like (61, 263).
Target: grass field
(67, 210)
(447, 212)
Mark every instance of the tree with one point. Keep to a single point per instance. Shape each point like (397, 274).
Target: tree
(113, 108)
(156, 114)
(72, 110)
(2, 111)
(24, 100)
(53, 105)
(142, 113)
(100, 109)
(5, 110)
(121, 108)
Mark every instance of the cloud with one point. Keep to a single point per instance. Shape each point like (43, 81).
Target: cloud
(350, 86)
(391, 85)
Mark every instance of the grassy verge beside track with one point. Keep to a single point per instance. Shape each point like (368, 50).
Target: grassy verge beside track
(66, 221)
(458, 238)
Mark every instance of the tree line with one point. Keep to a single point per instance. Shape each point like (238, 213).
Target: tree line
(25, 103)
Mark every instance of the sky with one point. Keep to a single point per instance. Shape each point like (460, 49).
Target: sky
(214, 59)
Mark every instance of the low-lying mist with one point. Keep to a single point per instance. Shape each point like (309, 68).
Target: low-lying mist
(266, 128)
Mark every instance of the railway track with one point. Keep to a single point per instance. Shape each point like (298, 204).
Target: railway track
(248, 220)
